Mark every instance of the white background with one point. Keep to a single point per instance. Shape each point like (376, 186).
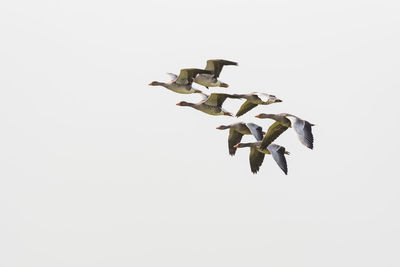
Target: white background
(100, 169)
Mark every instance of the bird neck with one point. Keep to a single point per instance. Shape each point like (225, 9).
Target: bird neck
(224, 127)
(187, 104)
(159, 83)
(254, 144)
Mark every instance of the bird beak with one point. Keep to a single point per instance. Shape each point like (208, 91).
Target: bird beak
(257, 116)
(219, 127)
(237, 145)
(178, 104)
(150, 83)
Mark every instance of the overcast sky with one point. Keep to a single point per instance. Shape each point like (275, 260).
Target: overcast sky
(100, 169)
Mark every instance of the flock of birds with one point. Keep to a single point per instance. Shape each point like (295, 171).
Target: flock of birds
(212, 104)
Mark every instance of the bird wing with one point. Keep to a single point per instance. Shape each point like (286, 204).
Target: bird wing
(204, 97)
(278, 154)
(245, 107)
(216, 65)
(275, 130)
(303, 130)
(234, 138)
(255, 130)
(256, 159)
(263, 97)
(186, 76)
(217, 99)
(173, 76)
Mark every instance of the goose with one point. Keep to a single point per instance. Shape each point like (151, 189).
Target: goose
(211, 105)
(283, 122)
(257, 155)
(254, 99)
(211, 80)
(182, 84)
(236, 132)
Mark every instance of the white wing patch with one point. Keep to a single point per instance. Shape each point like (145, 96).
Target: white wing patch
(263, 97)
(204, 96)
(173, 76)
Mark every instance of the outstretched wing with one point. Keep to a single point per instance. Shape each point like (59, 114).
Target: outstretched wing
(173, 76)
(275, 130)
(234, 138)
(217, 99)
(255, 130)
(186, 76)
(303, 130)
(278, 154)
(256, 159)
(216, 65)
(245, 107)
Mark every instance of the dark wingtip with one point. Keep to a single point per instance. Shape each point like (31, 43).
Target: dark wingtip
(238, 114)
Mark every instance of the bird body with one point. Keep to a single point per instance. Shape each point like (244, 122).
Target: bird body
(212, 105)
(215, 67)
(208, 80)
(283, 122)
(257, 155)
(182, 84)
(177, 88)
(254, 99)
(211, 110)
(236, 132)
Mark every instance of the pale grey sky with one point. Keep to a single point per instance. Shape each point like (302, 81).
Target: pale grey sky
(99, 169)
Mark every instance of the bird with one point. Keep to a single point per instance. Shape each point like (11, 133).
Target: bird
(211, 80)
(182, 84)
(257, 155)
(212, 105)
(283, 122)
(254, 99)
(236, 132)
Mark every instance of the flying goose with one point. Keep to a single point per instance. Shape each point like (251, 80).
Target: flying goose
(283, 122)
(211, 80)
(254, 99)
(236, 132)
(182, 84)
(211, 105)
(257, 155)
